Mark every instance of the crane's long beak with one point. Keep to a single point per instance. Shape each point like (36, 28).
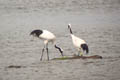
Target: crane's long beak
(62, 53)
(31, 38)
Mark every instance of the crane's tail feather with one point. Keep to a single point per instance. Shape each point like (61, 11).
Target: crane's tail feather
(36, 32)
(85, 48)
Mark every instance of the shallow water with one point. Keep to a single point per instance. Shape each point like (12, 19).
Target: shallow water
(96, 22)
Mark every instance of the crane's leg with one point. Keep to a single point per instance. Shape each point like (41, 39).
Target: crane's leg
(80, 52)
(47, 51)
(42, 53)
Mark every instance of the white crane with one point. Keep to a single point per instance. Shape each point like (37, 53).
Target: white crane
(80, 44)
(47, 37)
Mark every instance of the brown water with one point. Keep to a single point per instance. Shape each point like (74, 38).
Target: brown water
(97, 22)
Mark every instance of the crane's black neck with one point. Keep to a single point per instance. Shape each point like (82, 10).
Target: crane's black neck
(70, 29)
(61, 51)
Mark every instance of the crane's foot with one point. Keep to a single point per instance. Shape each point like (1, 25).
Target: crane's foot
(80, 54)
(64, 56)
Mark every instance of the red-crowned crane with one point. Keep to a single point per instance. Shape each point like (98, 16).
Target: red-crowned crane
(80, 44)
(47, 36)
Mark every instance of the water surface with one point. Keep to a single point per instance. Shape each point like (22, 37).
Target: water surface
(97, 22)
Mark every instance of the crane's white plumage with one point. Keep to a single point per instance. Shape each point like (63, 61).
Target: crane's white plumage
(47, 36)
(77, 41)
(80, 44)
